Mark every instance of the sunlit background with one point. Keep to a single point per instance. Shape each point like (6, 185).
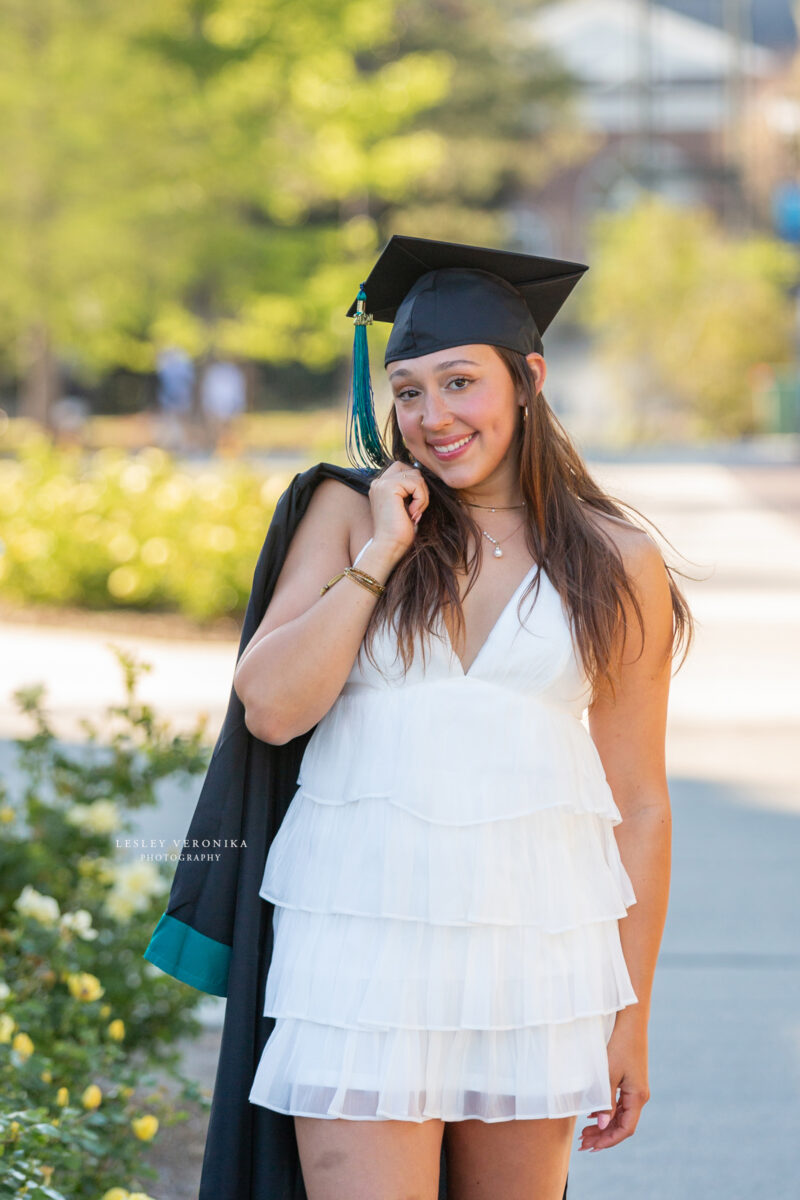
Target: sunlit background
(191, 193)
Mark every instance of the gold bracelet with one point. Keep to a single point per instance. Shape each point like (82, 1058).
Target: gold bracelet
(367, 581)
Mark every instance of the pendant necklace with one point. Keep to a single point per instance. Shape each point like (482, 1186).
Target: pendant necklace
(498, 553)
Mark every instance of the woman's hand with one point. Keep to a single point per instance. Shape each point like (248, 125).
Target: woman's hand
(627, 1066)
(394, 524)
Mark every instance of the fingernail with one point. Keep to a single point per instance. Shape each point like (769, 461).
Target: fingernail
(603, 1120)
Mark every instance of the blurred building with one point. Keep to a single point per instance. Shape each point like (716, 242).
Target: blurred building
(772, 169)
(664, 95)
(769, 22)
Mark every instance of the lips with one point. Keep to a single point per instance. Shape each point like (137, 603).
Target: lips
(444, 450)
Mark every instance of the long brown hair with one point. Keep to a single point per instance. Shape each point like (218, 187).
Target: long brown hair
(585, 567)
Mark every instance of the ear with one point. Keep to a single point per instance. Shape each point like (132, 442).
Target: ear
(539, 369)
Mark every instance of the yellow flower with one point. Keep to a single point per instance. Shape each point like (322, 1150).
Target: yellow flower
(139, 1196)
(84, 986)
(78, 922)
(101, 816)
(14, 1129)
(47, 1172)
(46, 1076)
(116, 1030)
(31, 903)
(91, 1096)
(120, 906)
(98, 866)
(56, 1121)
(145, 1127)
(125, 1092)
(23, 1045)
(6, 814)
(7, 1027)
(62, 1097)
(116, 1193)
(105, 1011)
(135, 884)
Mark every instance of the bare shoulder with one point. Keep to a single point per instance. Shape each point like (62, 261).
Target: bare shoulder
(335, 510)
(639, 552)
(319, 549)
(647, 574)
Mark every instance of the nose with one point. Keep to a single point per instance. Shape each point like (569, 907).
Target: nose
(435, 411)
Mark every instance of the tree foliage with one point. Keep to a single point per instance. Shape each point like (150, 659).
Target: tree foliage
(694, 307)
(218, 173)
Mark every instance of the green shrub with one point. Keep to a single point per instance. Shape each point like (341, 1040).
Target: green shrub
(109, 530)
(83, 1016)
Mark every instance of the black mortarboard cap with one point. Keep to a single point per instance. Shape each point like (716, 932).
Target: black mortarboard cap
(443, 294)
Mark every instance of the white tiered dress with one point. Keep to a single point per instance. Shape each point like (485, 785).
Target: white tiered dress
(447, 889)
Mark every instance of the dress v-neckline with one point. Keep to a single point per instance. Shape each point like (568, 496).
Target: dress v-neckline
(465, 674)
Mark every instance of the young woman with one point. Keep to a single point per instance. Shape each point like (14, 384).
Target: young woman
(451, 974)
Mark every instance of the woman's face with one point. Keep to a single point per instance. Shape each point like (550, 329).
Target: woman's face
(451, 395)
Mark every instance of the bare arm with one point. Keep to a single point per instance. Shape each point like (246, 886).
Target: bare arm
(297, 661)
(630, 736)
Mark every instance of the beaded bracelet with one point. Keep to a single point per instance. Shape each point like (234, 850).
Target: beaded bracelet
(367, 581)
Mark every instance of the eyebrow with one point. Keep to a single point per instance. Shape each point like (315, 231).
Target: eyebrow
(442, 366)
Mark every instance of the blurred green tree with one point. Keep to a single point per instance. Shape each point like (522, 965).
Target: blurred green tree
(507, 117)
(216, 173)
(691, 309)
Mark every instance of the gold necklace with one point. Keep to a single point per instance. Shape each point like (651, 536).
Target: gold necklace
(492, 507)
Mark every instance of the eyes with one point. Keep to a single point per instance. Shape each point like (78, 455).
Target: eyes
(409, 393)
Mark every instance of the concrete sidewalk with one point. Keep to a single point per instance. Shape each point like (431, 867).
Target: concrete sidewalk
(725, 1028)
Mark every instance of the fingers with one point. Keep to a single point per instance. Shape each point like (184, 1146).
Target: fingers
(621, 1124)
(414, 485)
(590, 1132)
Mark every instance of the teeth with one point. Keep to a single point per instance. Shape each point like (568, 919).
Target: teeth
(451, 446)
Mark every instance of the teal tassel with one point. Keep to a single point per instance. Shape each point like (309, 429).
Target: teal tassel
(364, 443)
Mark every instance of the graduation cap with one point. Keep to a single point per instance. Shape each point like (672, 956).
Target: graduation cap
(443, 294)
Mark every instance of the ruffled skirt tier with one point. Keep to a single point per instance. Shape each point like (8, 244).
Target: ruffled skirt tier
(449, 769)
(378, 973)
(319, 1070)
(551, 867)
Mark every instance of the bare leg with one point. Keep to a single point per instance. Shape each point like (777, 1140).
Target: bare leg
(369, 1160)
(518, 1160)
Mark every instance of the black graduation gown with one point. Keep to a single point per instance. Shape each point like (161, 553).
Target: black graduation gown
(216, 931)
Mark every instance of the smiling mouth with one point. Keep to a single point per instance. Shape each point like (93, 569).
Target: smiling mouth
(451, 449)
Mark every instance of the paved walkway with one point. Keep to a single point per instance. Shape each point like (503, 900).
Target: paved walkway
(725, 1052)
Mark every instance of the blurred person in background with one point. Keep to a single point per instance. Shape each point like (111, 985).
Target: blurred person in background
(223, 396)
(175, 374)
